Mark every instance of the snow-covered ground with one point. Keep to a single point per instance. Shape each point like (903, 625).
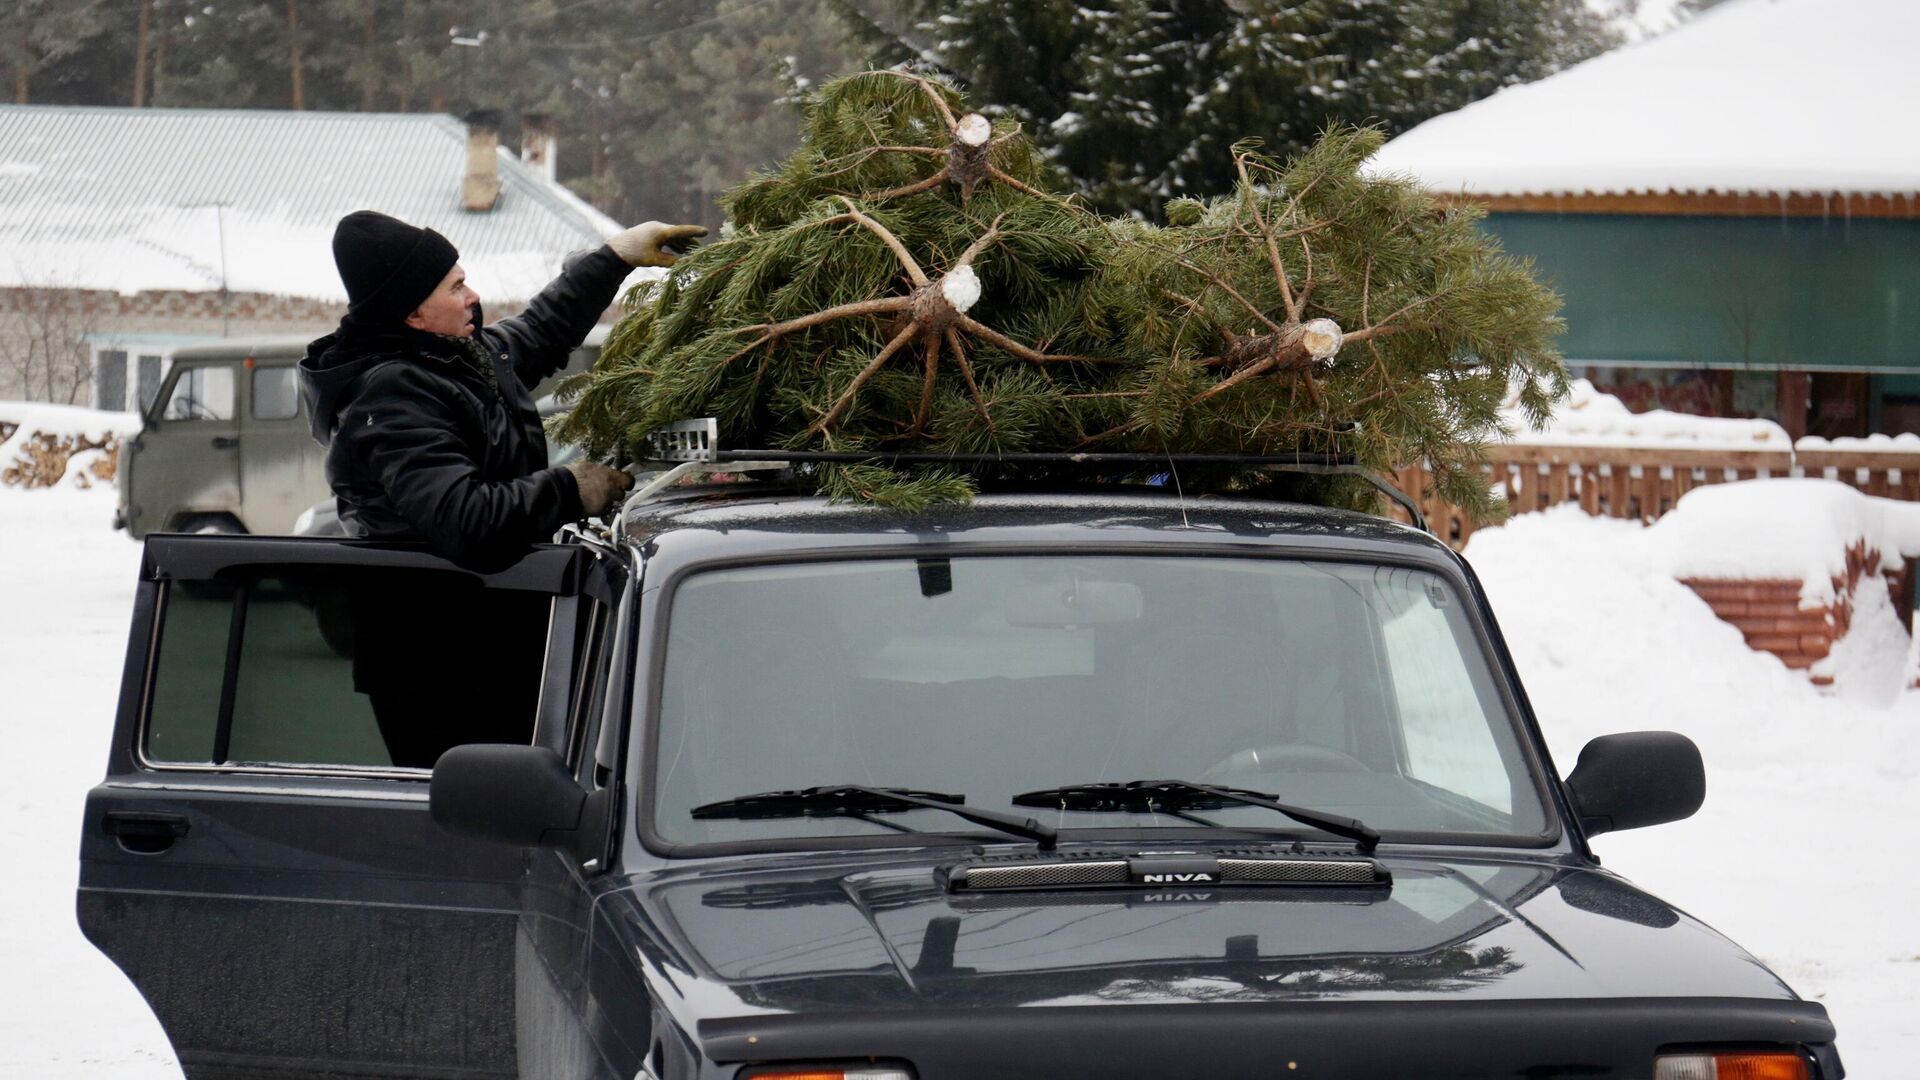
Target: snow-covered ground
(1802, 852)
(66, 588)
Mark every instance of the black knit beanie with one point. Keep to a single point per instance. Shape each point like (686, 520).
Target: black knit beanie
(388, 266)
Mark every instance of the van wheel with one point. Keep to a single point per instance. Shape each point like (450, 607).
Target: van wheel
(210, 523)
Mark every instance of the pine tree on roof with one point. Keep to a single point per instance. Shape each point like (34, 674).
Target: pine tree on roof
(909, 281)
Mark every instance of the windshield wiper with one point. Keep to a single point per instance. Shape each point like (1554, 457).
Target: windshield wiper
(1172, 796)
(853, 800)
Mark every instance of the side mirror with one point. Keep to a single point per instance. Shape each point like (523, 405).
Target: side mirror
(1636, 779)
(507, 793)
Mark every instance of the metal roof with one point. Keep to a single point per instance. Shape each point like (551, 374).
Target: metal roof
(135, 199)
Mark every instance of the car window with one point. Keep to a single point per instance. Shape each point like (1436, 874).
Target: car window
(1442, 710)
(275, 395)
(1353, 689)
(201, 393)
(341, 666)
(596, 661)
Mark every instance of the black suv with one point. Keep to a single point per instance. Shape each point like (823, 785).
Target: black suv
(1099, 782)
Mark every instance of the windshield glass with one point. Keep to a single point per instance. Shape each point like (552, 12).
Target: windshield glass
(1353, 689)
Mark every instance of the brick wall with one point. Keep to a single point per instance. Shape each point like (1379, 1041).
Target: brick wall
(1772, 617)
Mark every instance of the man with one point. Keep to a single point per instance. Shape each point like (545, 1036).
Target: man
(428, 417)
(432, 436)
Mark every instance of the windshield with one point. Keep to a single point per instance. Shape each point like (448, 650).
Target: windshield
(1356, 690)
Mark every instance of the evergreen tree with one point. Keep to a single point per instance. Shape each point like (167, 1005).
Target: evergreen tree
(36, 34)
(1139, 100)
(907, 282)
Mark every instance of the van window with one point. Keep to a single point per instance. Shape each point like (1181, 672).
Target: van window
(341, 666)
(275, 397)
(202, 393)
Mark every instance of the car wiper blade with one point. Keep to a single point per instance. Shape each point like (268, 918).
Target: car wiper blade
(845, 800)
(1172, 796)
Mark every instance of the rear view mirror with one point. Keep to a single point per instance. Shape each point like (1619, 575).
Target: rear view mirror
(1635, 779)
(506, 793)
(1063, 604)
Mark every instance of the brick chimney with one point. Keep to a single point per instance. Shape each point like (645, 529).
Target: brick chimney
(538, 145)
(480, 188)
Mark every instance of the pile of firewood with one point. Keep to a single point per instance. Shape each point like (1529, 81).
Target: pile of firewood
(44, 457)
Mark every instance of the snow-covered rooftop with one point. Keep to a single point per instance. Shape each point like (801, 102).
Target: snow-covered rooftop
(1752, 96)
(144, 199)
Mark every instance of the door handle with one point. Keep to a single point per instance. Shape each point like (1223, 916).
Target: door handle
(145, 832)
(225, 442)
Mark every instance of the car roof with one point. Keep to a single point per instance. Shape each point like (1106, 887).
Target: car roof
(747, 518)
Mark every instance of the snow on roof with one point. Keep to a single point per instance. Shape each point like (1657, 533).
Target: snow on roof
(1752, 96)
(142, 199)
(1588, 417)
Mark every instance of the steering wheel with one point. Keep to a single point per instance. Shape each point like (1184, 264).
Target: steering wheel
(1283, 757)
(189, 408)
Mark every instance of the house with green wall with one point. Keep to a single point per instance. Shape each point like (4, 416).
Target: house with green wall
(1730, 210)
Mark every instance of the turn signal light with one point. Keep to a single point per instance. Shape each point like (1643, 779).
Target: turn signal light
(1776, 1065)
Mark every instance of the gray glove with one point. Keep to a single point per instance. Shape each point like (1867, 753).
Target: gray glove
(654, 243)
(599, 486)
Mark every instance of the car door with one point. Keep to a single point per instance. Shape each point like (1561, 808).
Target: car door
(255, 862)
(186, 459)
(282, 468)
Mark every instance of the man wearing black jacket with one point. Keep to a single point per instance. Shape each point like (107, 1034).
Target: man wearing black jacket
(432, 436)
(428, 417)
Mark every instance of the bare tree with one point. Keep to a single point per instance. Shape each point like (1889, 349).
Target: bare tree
(44, 348)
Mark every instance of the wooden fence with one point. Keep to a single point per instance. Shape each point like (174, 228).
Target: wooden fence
(1644, 483)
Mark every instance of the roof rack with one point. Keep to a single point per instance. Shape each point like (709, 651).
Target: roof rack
(692, 448)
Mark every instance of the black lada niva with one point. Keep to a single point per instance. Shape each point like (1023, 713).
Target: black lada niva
(1089, 783)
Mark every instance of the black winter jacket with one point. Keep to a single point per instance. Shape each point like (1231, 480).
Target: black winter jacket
(423, 445)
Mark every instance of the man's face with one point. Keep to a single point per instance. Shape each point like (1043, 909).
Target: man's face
(449, 310)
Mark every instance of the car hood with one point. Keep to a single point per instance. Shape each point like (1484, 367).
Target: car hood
(760, 936)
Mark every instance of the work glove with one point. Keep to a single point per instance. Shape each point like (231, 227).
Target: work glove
(599, 486)
(654, 243)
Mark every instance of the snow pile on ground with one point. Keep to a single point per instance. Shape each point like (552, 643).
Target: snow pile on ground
(1796, 854)
(66, 593)
(1589, 417)
(22, 421)
(1708, 106)
(1782, 529)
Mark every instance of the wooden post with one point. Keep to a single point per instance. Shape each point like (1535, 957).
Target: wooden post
(1793, 394)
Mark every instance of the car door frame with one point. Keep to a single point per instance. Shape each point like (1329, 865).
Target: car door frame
(307, 919)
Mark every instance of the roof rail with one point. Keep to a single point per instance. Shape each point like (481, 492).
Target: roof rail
(692, 447)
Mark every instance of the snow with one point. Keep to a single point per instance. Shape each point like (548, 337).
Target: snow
(1796, 854)
(1639, 19)
(1588, 417)
(174, 248)
(1769, 96)
(1904, 443)
(1786, 528)
(35, 417)
(961, 287)
(66, 588)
